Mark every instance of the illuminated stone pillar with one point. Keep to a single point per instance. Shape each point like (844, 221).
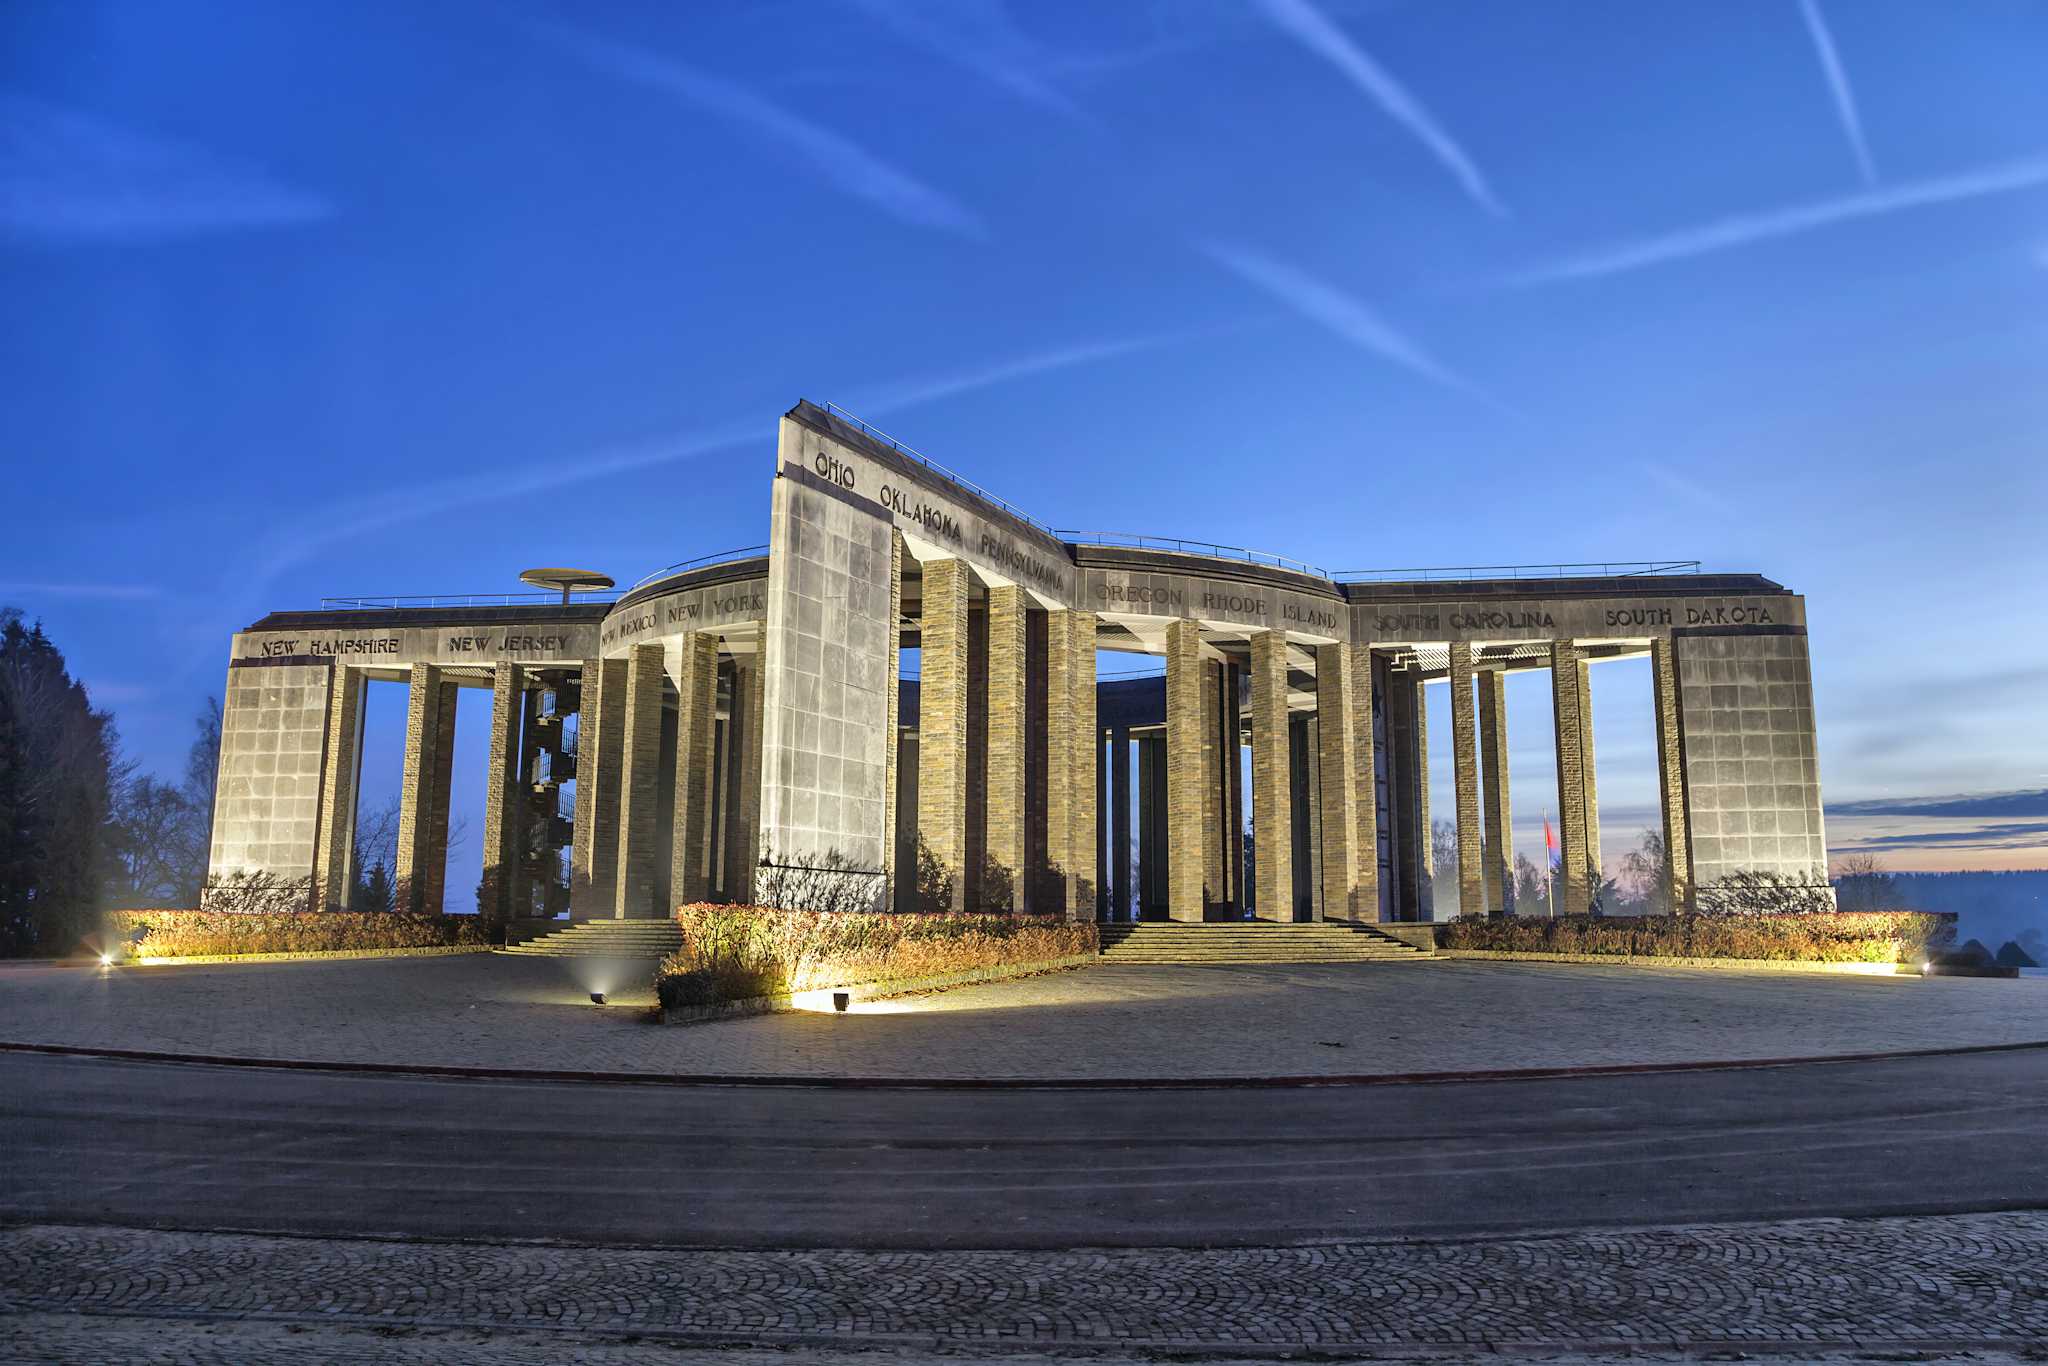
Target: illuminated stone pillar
(1671, 778)
(1086, 813)
(599, 744)
(1188, 832)
(743, 822)
(1595, 861)
(1215, 857)
(1465, 778)
(1365, 840)
(894, 877)
(333, 866)
(1567, 710)
(423, 795)
(1272, 779)
(1230, 730)
(1008, 842)
(689, 850)
(942, 721)
(636, 891)
(1337, 809)
(1072, 747)
(1500, 830)
(502, 894)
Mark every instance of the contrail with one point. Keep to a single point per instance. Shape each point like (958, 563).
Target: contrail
(1838, 86)
(1338, 312)
(396, 506)
(835, 159)
(1308, 26)
(1743, 229)
(68, 177)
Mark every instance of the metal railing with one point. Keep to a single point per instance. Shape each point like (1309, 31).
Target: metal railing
(1605, 569)
(1133, 540)
(391, 600)
(716, 557)
(869, 430)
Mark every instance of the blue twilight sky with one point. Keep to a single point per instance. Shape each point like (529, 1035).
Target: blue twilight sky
(394, 298)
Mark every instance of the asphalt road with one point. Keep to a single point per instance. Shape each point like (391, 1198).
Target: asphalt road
(96, 1141)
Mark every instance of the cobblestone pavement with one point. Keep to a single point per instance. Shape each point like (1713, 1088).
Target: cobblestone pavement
(184, 1342)
(1805, 1286)
(1121, 1021)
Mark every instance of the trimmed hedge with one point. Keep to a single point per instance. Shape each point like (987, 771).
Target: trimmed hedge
(738, 953)
(194, 934)
(1833, 937)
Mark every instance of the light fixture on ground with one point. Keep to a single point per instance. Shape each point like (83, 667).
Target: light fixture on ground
(840, 1000)
(597, 998)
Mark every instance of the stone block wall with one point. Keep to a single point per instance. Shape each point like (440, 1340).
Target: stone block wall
(273, 733)
(1752, 779)
(825, 763)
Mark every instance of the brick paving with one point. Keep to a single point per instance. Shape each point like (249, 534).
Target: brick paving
(1105, 1021)
(1938, 1281)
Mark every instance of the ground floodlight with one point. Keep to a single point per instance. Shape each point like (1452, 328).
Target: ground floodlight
(840, 1000)
(106, 960)
(1926, 968)
(597, 998)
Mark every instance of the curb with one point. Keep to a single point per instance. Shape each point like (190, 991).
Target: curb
(1848, 967)
(880, 990)
(828, 1083)
(303, 956)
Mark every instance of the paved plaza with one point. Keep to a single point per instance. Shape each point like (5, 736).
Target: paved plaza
(494, 1010)
(1797, 1286)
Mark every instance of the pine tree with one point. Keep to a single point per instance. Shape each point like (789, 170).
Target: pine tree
(57, 776)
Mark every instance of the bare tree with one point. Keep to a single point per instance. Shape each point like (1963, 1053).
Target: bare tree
(1642, 884)
(1863, 884)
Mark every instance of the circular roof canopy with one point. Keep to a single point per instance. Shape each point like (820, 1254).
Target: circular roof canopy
(567, 580)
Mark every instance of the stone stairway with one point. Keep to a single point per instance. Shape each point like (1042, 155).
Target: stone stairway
(1251, 941)
(605, 939)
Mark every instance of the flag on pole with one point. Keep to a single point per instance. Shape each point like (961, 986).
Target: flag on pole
(1550, 842)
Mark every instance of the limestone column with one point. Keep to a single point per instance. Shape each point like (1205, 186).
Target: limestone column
(689, 848)
(1365, 839)
(1671, 778)
(1567, 709)
(1308, 773)
(599, 746)
(743, 819)
(1465, 775)
(1231, 730)
(419, 802)
(504, 800)
(1188, 832)
(1500, 830)
(1272, 779)
(334, 871)
(892, 732)
(1595, 861)
(1215, 867)
(1425, 826)
(636, 890)
(1119, 876)
(1337, 750)
(976, 891)
(1086, 812)
(1007, 840)
(436, 879)
(942, 722)
(583, 814)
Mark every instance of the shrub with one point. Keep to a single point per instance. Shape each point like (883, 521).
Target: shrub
(1831, 937)
(734, 953)
(191, 934)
